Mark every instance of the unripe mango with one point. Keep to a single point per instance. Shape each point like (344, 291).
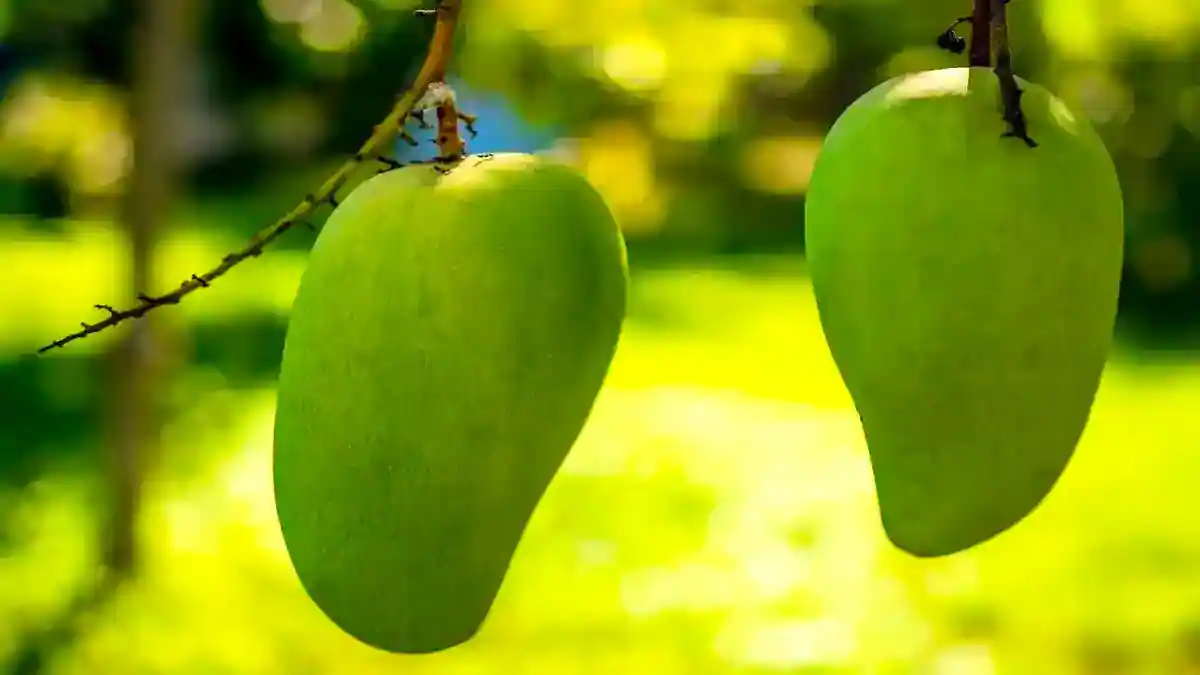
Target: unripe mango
(967, 287)
(447, 342)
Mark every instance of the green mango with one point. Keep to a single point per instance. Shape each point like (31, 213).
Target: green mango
(967, 287)
(448, 339)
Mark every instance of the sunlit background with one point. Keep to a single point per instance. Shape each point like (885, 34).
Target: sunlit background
(717, 515)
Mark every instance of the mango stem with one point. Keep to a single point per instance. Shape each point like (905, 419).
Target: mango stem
(1010, 92)
(981, 46)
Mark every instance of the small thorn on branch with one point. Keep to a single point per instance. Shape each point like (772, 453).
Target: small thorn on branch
(469, 123)
(388, 163)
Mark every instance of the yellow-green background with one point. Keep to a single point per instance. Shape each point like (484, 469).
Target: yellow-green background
(717, 515)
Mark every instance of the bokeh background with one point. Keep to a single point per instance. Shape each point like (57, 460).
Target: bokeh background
(717, 515)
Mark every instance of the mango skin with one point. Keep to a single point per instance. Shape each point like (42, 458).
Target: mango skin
(447, 342)
(967, 287)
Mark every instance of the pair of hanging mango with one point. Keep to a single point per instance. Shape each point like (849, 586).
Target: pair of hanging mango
(457, 319)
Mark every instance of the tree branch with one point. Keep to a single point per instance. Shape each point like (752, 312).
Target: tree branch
(432, 70)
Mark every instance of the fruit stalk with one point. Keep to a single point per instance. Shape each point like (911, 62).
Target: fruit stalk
(440, 97)
(1010, 92)
(981, 46)
(432, 70)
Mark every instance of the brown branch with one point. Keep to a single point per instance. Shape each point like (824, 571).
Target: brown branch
(451, 148)
(981, 48)
(1010, 91)
(432, 70)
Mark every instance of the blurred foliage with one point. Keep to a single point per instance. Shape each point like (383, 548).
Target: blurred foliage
(700, 121)
(717, 516)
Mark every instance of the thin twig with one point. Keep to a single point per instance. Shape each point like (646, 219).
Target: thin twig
(433, 69)
(1010, 91)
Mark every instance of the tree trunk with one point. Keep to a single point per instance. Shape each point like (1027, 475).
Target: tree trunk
(162, 40)
(163, 51)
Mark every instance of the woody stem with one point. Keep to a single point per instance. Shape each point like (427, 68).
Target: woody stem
(981, 32)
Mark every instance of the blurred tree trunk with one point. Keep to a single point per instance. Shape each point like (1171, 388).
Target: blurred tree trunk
(164, 51)
(163, 40)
